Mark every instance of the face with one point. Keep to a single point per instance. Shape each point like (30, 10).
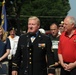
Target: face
(67, 25)
(61, 28)
(33, 26)
(54, 30)
(12, 32)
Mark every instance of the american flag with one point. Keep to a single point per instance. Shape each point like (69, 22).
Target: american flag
(3, 16)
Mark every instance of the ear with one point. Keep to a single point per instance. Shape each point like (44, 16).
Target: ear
(38, 26)
(73, 25)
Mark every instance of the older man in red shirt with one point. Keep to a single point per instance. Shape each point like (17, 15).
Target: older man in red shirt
(67, 47)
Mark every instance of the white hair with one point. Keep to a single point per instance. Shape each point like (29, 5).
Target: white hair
(72, 21)
(34, 18)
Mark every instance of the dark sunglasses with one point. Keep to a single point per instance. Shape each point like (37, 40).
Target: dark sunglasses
(61, 26)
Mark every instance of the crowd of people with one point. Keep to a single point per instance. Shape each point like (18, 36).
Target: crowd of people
(36, 53)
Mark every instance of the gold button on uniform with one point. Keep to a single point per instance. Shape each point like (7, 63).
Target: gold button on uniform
(30, 53)
(30, 49)
(30, 58)
(29, 62)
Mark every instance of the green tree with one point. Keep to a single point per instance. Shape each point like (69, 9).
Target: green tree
(46, 7)
(48, 11)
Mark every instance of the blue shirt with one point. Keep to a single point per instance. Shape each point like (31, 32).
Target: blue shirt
(4, 46)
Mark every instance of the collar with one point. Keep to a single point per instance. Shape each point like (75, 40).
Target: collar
(33, 34)
(74, 33)
(11, 37)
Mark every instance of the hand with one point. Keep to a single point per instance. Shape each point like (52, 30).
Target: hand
(50, 74)
(9, 56)
(57, 63)
(64, 65)
(14, 73)
(71, 66)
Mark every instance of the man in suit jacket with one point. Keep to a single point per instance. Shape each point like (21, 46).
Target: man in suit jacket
(32, 55)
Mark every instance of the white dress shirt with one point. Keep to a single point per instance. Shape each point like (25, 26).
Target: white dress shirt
(13, 44)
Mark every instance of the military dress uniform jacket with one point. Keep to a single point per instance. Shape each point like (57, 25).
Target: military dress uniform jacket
(32, 56)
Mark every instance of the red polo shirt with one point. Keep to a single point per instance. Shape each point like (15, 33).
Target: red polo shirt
(67, 47)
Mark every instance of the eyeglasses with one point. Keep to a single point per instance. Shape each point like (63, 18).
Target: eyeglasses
(61, 26)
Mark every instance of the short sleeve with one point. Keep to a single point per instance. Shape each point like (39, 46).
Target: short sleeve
(8, 44)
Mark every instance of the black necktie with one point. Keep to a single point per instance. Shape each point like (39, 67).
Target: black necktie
(32, 34)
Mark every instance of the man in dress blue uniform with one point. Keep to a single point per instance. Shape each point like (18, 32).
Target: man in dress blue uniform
(33, 52)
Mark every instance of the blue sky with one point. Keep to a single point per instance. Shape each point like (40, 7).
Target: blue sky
(72, 11)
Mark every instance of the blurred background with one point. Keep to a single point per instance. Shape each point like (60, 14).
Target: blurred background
(49, 11)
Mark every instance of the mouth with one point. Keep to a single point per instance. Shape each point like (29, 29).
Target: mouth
(31, 28)
(12, 34)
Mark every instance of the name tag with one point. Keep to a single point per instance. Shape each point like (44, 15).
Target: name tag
(55, 44)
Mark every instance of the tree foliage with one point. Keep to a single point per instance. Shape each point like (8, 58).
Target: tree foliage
(51, 10)
(46, 7)
(48, 11)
